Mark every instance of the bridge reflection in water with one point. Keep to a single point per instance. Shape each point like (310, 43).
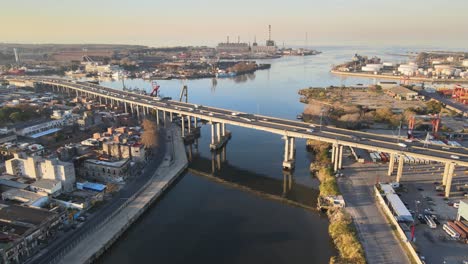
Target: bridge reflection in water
(219, 170)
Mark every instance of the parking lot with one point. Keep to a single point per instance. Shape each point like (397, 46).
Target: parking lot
(420, 196)
(418, 184)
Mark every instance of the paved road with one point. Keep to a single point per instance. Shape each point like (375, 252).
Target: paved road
(380, 244)
(58, 245)
(291, 128)
(461, 107)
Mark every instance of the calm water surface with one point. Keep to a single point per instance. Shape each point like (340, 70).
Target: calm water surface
(201, 220)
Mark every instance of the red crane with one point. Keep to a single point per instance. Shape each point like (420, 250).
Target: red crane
(435, 121)
(155, 88)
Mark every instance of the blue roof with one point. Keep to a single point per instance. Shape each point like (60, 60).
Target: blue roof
(94, 186)
(43, 133)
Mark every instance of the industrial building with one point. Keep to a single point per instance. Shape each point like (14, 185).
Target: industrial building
(401, 93)
(229, 47)
(22, 229)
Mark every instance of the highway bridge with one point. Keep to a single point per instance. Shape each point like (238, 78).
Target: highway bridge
(190, 114)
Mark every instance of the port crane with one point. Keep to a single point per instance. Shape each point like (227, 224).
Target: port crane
(155, 91)
(435, 121)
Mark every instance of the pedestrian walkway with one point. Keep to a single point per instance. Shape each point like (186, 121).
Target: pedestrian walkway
(174, 163)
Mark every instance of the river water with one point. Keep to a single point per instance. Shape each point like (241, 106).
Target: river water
(249, 211)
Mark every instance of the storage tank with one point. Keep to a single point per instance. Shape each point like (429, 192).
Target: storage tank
(465, 63)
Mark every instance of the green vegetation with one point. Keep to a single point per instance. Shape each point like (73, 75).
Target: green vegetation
(341, 228)
(328, 185)
(343, 234)
(433, 107)
(18, 114)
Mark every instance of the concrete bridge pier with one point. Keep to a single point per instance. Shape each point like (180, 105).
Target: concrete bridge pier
(189, 124)
(391, 164)
(446, 171)
(333, 154)
(337, 153)
(450, 174)
(289, 153)
(401, 161)
(219, 136)
(340, 158)
(182, 121)
(157, 116)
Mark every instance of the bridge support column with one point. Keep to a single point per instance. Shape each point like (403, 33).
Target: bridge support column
(223, 129)
(337, 157)
(189, 120)
(450, 174)
(171, 117)
(138, 111)
(212, 134)
(340, 158)
(157, 116)
(195, 122)
(291, 149)
(100, 100)
(106, 100)
(288, 162)
(391, 164)
(218, 132)
(182, 121)
(125, 105)
(445, 175)
(401, 161)
(333, 153)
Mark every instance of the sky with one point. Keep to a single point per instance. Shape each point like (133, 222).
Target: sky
(206, 22)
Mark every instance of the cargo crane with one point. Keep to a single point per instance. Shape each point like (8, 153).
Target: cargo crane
(460, 94)
(155, 91)
(435, 121)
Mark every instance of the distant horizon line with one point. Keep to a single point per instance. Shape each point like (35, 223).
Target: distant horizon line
(419, 46)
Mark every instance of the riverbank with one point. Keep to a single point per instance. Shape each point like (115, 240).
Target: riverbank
(174, 163)
(341, 228)
(392, 77)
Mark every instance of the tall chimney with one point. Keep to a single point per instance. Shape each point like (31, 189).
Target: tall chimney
(269, 32)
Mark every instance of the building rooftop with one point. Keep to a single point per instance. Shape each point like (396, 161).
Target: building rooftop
(400, 90)
(45, 184)
(13, 184)
(28, 215)
(116, 164)
(23, 195)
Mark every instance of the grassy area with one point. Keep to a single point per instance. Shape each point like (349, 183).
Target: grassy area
(344, 236)
(341, 228)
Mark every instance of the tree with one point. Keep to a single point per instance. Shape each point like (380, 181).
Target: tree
(433, 107)
(15, 116)
(150, 136)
